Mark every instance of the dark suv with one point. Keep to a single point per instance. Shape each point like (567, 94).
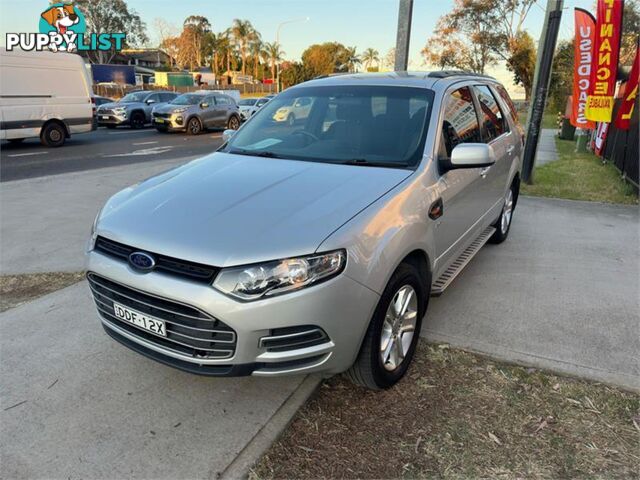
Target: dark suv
(133, 109)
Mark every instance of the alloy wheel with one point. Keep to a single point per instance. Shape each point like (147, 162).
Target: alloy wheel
(399, 327)
(233, 123)
(507, 211)
(194, 126)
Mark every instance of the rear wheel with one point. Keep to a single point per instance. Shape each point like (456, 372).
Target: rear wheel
(137, 120)
(194, 127)
(53, 135)
(390, 341)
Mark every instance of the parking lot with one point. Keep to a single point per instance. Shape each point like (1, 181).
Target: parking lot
(102, 148)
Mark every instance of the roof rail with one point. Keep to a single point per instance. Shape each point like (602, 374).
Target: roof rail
(457, 73)
(334, 74)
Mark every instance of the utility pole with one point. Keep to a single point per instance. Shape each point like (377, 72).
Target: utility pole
(404, 35)
(280, 25)
(541, 78)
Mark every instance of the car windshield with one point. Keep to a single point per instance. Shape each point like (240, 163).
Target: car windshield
(247, 102)
(361, 125)
(187, 99)
(134, 97)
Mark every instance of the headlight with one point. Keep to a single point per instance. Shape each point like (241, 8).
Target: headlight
(120, 109)
(180, 110)
(281, 276)
(92, 239)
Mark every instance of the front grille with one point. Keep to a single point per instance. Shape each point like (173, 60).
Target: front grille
(161, 115)
(294, 338)
(105, 111)
(189, 330)
(173, 266)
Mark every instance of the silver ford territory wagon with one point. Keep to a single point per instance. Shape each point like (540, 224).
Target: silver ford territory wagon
(312, 245)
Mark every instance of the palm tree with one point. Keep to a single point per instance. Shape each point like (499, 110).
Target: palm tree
(275, 56)
(256, 48)
(353, 60)
(369, 56)
(243, 34)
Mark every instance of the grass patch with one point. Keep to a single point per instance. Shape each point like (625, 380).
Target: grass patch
(18, 289)
(579, 176)
(460, 415)
(550, 120)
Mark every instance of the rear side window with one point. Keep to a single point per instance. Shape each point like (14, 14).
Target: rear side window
(460, 123)
(493, 122)
(222, 101)
(167, 97)
(506, 99)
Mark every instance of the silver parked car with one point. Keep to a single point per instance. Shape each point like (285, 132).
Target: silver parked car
(196, 112)
(134, 109)
(249, 106)
(312, 246)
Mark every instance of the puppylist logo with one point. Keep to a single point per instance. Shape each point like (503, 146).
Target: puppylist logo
(63, 28)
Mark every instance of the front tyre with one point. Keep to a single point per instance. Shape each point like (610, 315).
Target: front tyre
(194, 127)
(503, 224)
(233, 123)
(390, 341)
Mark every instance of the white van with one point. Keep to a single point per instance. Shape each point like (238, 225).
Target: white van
(44, 94)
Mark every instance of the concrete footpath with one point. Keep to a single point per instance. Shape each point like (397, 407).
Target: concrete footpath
(561, 293)
(547, 151)
(75, 404)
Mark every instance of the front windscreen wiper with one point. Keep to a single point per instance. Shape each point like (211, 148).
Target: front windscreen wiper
(267, 154)
(363, 162)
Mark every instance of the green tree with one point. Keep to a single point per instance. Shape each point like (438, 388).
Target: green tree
(109, 16)
(478, 33)
(195, 40)
(369, 56)
(275, 56)
(561, 82)
(353, 60)
(294, 73)
(630, 28)
(244, 34)
(256, 48)
(325, 58)
(522, 61)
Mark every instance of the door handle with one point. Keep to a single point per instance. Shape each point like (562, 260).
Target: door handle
(484, 171)
(510, 149)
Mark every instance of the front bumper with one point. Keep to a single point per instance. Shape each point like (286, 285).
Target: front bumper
(175, 122)
(339, 307)
(111, 119)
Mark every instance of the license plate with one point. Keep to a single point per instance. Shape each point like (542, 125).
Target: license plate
(159, 120)
(105, 117)
(139, 319)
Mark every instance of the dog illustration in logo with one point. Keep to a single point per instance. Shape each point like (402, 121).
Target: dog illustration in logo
(61, 18)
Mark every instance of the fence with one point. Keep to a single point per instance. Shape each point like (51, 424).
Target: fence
(119, 91)
(621, 146)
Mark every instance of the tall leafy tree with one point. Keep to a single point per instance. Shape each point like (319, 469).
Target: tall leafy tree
(370, 56)
(353, 60)
(478, 33)
(275, 56)
(110, 16)
(256, 48)
(195, 36)
(325, 58)
(243, 34)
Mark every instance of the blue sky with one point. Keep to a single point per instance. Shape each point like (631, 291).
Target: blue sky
(360, 23)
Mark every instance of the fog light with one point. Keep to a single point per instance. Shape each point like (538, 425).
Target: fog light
(179, 120)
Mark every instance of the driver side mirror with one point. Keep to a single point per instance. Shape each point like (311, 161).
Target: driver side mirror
(469, 155)
(150, 101)
(204, 105)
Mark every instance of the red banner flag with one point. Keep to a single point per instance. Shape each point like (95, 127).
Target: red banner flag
(630, 93)
(585, 28)
(605, 61)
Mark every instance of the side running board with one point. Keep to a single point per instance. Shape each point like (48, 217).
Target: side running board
(458, 265)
